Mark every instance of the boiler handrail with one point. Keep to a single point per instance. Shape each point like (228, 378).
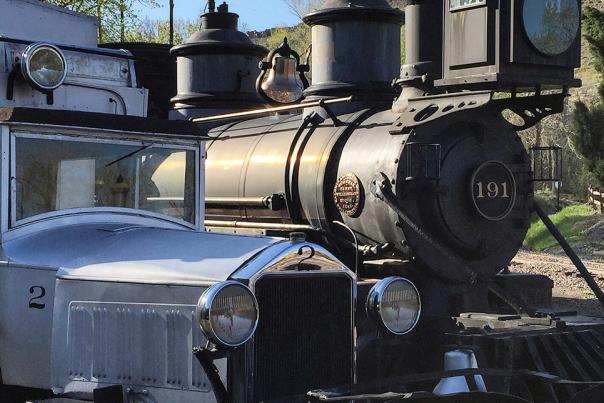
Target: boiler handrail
(268, 111)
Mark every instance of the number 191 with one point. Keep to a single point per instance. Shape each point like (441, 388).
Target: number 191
(493, 190)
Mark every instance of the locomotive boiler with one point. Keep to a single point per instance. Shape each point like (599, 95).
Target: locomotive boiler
(438, 173)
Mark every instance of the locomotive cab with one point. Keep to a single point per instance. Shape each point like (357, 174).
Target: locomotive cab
(106, 264)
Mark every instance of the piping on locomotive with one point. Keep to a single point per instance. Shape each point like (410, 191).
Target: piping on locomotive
(116, 265)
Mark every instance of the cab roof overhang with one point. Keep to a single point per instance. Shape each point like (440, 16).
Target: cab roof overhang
(101, 121)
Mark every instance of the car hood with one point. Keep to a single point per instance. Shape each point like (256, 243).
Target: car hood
(123, 253)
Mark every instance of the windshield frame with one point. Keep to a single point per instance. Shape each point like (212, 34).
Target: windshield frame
(92, 138)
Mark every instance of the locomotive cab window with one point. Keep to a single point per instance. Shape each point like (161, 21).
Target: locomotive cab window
(55, 173)
(459, 4)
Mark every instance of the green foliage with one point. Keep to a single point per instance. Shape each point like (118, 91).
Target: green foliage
(299, 38)
(158, 31)
(569, 221)
(589, 122)
(593, 28)
(116, 17)
(302, 7)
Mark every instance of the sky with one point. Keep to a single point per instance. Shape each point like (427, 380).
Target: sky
(257, 15)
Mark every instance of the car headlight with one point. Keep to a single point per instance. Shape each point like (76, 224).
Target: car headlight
(228, 313)
(44, 66)
(395, 305)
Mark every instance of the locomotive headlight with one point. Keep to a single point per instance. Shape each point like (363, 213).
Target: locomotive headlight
(44, 66)
(228, 313)
(395, 305)
(552, 26)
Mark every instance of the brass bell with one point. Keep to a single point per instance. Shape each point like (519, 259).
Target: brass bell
(282, 79)
(282, 84)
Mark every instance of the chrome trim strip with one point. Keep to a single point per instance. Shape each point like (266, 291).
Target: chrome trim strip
(280, 263)
(5, 179)
(100, 210)
(44, 127)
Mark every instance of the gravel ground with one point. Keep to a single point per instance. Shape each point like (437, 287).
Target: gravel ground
(571, 293)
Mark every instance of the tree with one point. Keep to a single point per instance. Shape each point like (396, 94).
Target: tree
(298, 37)
(589, 122)
(115, 17)
(158, 31)
(302, 7)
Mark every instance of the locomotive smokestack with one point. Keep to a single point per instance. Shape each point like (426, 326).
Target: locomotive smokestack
(356, 49)
(216, 68)
(423, 50)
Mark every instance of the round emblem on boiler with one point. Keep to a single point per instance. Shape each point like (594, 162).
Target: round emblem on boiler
(347, 195)
(493, 190)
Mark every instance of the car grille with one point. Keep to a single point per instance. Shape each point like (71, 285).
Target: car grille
(304, 335)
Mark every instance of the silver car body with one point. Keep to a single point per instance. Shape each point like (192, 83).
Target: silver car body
(93, 295)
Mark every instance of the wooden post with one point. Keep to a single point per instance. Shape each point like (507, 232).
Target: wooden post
(596, 198)
(122, 21)
(590, 199)
(171, 22)
(99, 16)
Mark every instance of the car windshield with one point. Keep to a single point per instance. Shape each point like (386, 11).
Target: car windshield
(56, 173)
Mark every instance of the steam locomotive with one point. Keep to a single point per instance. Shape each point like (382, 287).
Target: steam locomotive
(437, 184)
(414, 171)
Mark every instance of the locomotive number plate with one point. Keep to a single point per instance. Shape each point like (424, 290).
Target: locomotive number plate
(347, 194)
(493, 190)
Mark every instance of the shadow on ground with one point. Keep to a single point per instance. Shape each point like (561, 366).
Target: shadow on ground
(590, 307)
